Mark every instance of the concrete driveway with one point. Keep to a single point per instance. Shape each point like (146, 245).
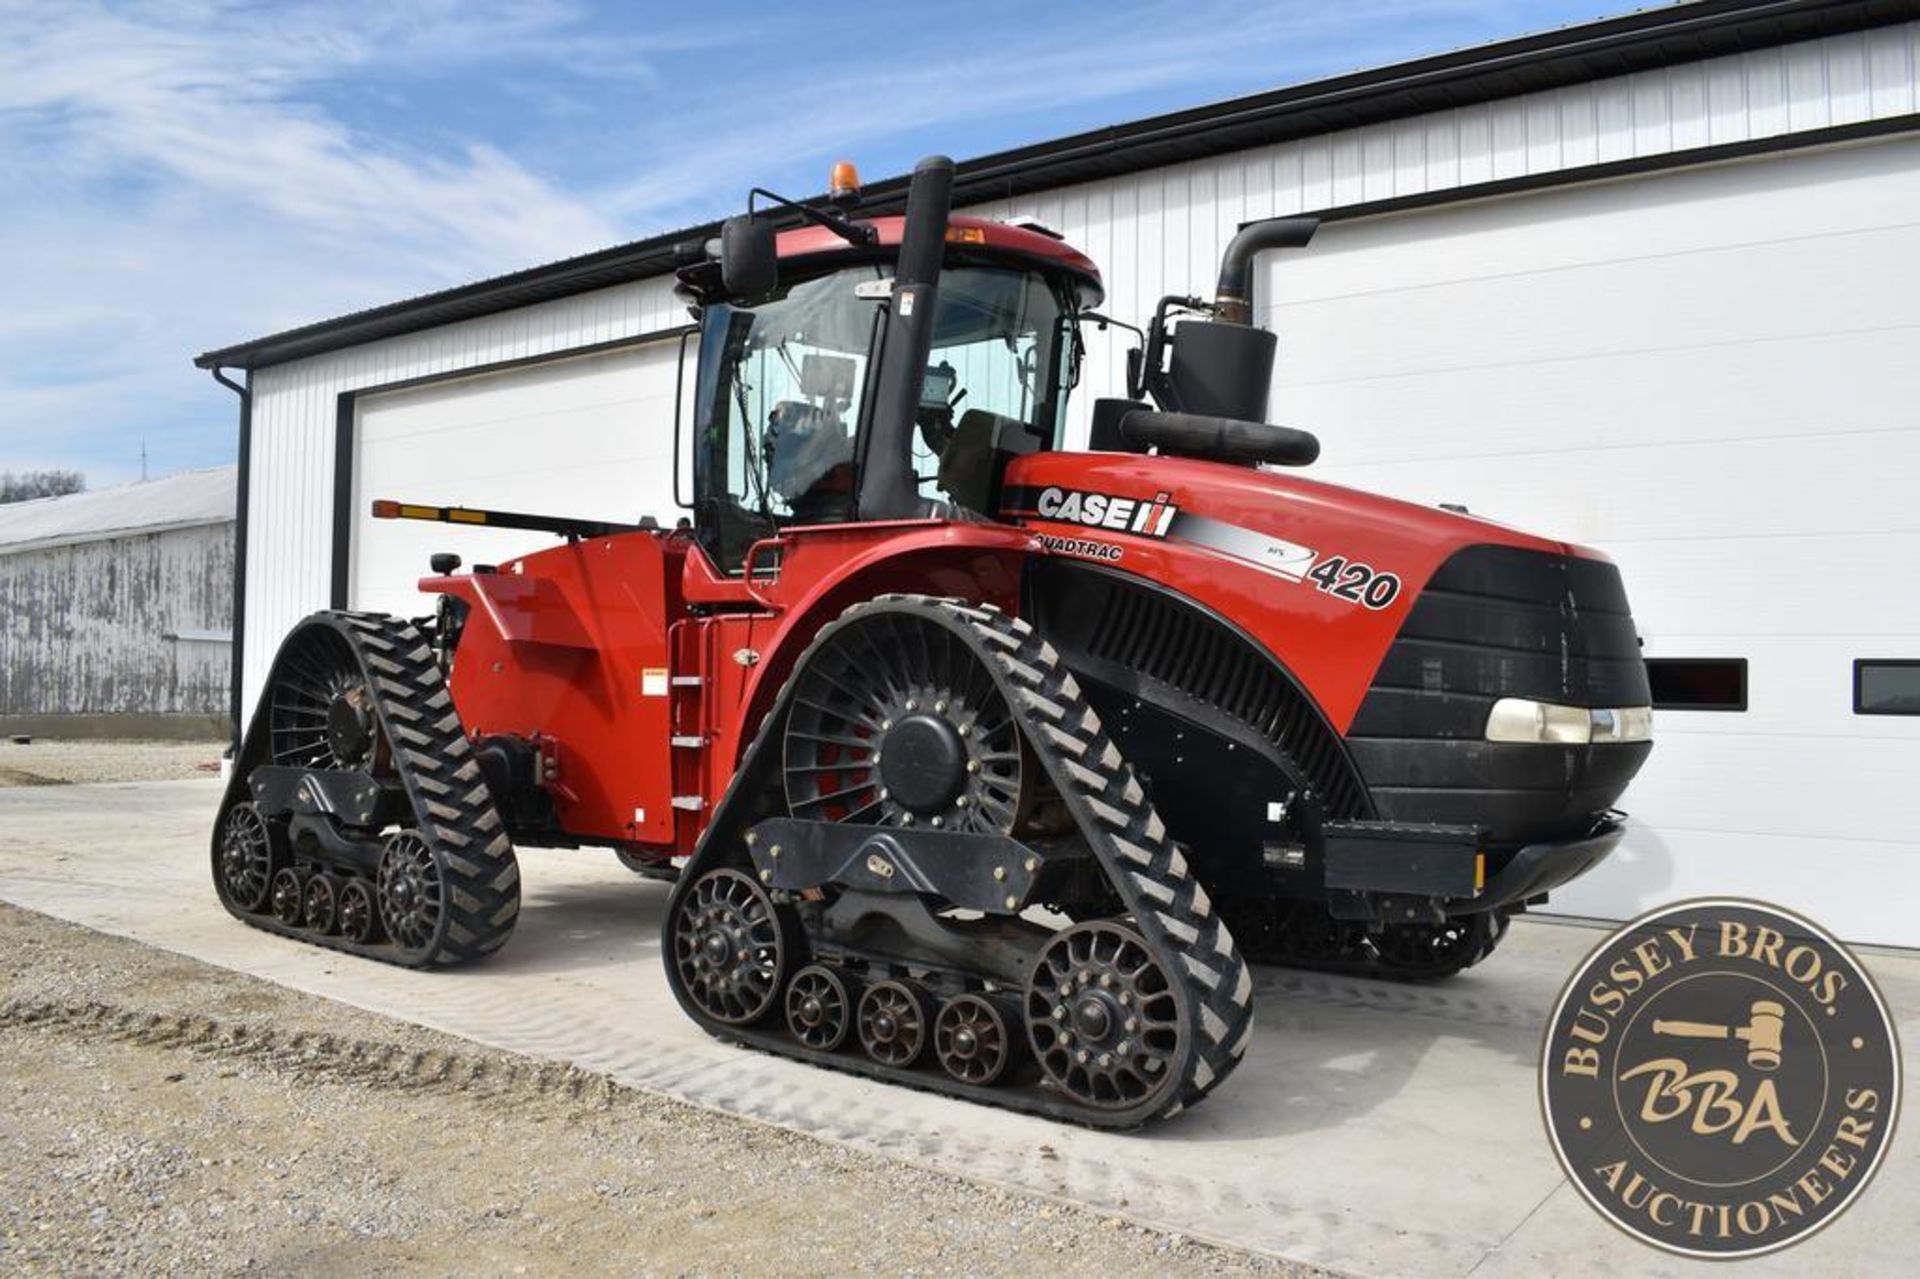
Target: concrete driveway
(1373, 1128)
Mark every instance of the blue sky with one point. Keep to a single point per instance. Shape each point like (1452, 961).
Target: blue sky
(181, 174)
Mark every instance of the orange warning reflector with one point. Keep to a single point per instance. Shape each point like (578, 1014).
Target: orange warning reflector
(385, 510)
(1479, 871)
(966, 235)
(458, 516)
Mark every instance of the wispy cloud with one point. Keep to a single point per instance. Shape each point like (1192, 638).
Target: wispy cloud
(183, 173)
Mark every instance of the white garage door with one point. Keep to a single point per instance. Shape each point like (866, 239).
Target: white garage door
(1712, 376)
(590, 436)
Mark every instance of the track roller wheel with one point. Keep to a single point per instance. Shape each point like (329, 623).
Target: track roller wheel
(289, 896)
(731, 946)
(359, 913)
(819, 1008)
(1103, 1016)
(249, 858)
(972, 1039)
(320, 909)
(894, 1017)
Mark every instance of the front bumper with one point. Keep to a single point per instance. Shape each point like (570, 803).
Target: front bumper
(1538, 869)
(1447, 867)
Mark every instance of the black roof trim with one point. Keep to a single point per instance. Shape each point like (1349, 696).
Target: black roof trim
(1639, 41)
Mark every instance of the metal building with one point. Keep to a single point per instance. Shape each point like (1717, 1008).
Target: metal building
(1650, 283)
(116, 609)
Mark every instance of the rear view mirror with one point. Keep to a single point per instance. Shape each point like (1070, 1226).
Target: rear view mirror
(749, 260)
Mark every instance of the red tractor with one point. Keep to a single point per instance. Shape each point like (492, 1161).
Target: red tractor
(978, 764)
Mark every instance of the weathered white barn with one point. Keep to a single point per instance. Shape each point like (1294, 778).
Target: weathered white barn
(116, 609)
(1651, 284)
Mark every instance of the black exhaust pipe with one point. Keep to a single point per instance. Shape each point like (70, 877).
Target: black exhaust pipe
(1223, 366)
(1233, 296)
(888, 488)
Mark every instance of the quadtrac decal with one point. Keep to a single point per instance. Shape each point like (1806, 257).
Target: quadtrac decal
(1085, 547)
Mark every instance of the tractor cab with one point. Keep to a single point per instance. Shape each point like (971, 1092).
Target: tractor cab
(857, 371)
(789, 395)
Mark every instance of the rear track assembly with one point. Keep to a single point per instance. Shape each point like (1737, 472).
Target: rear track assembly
(357, 818)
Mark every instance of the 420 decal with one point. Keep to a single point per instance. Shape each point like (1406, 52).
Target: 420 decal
(1351, 580)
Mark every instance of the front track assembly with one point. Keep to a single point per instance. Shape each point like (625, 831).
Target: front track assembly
(873, 893)
(357, 817)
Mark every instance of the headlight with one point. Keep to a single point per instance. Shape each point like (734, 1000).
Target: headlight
(1521, 719)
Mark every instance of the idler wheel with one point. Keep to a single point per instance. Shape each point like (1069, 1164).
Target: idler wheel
(248, 858)
(1103, 1017)
(730, 947)
(411, 891)
(819, 1009)
(894, 1020)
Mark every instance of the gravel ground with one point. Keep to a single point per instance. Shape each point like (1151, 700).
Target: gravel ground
(52, 763)
(160, 1115)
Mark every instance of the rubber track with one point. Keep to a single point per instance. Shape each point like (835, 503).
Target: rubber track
(1168, 906)
(453, 809)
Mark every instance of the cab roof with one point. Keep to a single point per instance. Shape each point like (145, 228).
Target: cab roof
(1026, 241)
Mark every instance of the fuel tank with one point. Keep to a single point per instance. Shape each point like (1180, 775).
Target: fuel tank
(1403, 626)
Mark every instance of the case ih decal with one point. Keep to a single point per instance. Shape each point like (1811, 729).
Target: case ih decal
(1099, 510)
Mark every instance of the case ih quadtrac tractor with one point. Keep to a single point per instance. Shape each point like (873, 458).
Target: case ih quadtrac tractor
(978, 764)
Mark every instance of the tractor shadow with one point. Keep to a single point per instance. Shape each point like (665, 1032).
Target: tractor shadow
(1330, 1050)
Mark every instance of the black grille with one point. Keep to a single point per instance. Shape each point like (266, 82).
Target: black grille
(1495, 622)
(1118, 624)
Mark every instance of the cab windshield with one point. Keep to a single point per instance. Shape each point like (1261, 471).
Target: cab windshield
(783, 384)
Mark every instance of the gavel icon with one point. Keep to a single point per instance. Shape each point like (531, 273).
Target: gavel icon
(1765, 1024)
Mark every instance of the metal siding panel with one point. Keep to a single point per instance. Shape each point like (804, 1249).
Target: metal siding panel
(1848, 99)
(1652, 113)
(1687, 107)
(1808, 103)
(1726, 102)
(1890, 71)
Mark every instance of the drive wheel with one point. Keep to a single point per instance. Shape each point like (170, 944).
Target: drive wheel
(819, 1011)
(411, 892)
(897, 722)
(972, 1040)
(321, 909)
(1103, 1016)
(730, 947)
(359, 913)
(248, 858)
(289, 896)
(893, 1023)
(322, 710)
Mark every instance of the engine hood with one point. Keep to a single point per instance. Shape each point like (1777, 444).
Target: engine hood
(1320, 575)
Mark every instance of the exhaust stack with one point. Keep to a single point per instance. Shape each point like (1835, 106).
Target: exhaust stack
(888, 490)
(1233, 295)
(1223, 367)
